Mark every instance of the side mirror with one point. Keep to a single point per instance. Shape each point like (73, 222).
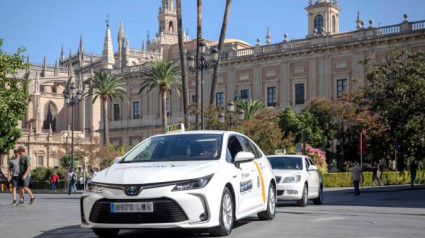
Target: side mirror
(244, 157)
(117, 159)
(312, 168)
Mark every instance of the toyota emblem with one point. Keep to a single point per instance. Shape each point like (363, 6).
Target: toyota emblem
(132, 190)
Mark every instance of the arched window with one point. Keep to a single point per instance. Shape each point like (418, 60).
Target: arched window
(333, 24)
(318, 23)
(171, 26)
(50, 113)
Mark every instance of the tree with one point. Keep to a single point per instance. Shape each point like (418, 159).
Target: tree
(65, 162)
(164, 75)
(106, 86)
(183, 62)
(396, 89)
(14, 98)
(250, 107)
(198, 77)
(220, 49)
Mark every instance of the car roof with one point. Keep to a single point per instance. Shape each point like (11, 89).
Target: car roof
(300, 156)
(213, 132)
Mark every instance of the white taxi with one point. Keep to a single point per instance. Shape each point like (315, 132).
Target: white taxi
(297, 179)
(199, 179)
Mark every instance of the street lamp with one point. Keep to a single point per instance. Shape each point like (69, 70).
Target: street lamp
(72, 98)
(231, 110)
(208, 60)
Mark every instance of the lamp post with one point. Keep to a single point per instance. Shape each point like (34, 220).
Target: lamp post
(72, 98)
(208, 60)
(231, 110)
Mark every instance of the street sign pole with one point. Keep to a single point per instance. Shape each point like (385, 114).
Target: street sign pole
(361, 153)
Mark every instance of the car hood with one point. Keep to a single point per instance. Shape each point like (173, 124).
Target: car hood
(155, 172)
(286, 172)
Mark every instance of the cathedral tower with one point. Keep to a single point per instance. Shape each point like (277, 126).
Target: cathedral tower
(167, 21)
(323, 17)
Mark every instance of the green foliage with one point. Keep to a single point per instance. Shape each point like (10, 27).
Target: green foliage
(387, 178)
(65, 162)
(106, 86)
(14, 98)
(397, 92)
(250, 107)
(263, 130)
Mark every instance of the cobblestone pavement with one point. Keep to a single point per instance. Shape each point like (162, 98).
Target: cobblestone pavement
(391, 211)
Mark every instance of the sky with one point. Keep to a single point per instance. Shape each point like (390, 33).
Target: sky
(43, 26)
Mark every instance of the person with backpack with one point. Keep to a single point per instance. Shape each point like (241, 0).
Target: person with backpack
(72, 178)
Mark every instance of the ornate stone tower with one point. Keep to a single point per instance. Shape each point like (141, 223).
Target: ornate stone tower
(323, 17)
(167, 21)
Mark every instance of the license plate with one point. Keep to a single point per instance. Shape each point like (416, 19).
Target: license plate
(130, 207)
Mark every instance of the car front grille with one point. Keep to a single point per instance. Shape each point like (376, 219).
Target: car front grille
(165, 211)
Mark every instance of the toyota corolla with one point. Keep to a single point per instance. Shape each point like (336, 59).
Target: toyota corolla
(201, 179)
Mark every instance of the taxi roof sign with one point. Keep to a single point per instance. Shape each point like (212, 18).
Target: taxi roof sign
(280, 152)
(174, 128)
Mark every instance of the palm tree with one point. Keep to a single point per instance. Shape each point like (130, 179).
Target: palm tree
(198, 78)
(106, 86)
(250, 107)
(183, 62)
(220, 48)
(164, 75)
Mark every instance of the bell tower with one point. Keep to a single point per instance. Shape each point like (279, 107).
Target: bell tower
(323, 17)
(167, 21)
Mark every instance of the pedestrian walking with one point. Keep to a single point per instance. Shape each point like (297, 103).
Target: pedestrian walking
(81, 183)
(72, 178)
(24, 176)
(14, 174)
(413, 169)
(376, 175)
(356, 177)
(54, 180)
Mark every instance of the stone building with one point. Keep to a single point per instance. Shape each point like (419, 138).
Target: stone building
(289, 72)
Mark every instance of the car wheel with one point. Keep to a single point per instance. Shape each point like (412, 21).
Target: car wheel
(319, 199)
(104, 232)
(304, 199)
(226, 215)
(271, 205)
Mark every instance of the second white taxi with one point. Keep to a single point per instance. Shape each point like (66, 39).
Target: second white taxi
(297, 179)
(200, 179)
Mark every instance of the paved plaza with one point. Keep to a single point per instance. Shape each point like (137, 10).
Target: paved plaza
(392, 211)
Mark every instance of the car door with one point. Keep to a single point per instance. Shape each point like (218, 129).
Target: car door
(310, 178)
(258, 189)
(316, 179)
(245, 177)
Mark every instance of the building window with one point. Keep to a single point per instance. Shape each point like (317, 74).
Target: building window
(299, 93)
(333, 24)
(50, 113)
(116, 112)
(136, 110)
(40, 160)
(193, 98)
(271, 97)
(341, 87)
(219, 99)
(168, 106)
(318, 24)
(245, 94)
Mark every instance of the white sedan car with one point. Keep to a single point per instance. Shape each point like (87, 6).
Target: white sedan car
(297, 179)
(201, 179)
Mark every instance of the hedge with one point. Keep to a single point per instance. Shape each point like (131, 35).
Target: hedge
(387, 178)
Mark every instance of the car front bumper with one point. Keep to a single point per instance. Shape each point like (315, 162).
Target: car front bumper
(180, 209)
(289, 191)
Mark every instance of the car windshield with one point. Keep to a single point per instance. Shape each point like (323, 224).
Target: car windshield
(180, 147)
(292, 163)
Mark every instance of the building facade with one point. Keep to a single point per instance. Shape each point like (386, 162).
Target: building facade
(286, 73)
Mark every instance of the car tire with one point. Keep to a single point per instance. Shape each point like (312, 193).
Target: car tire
(226, 217)
(304, 199)
(319, 199)
(106, 232)
(271, 205)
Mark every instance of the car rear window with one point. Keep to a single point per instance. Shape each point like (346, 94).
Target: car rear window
(292, 163)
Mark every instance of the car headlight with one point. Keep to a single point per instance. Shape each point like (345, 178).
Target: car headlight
(292, 179)
(193, 183)
(94, 188)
